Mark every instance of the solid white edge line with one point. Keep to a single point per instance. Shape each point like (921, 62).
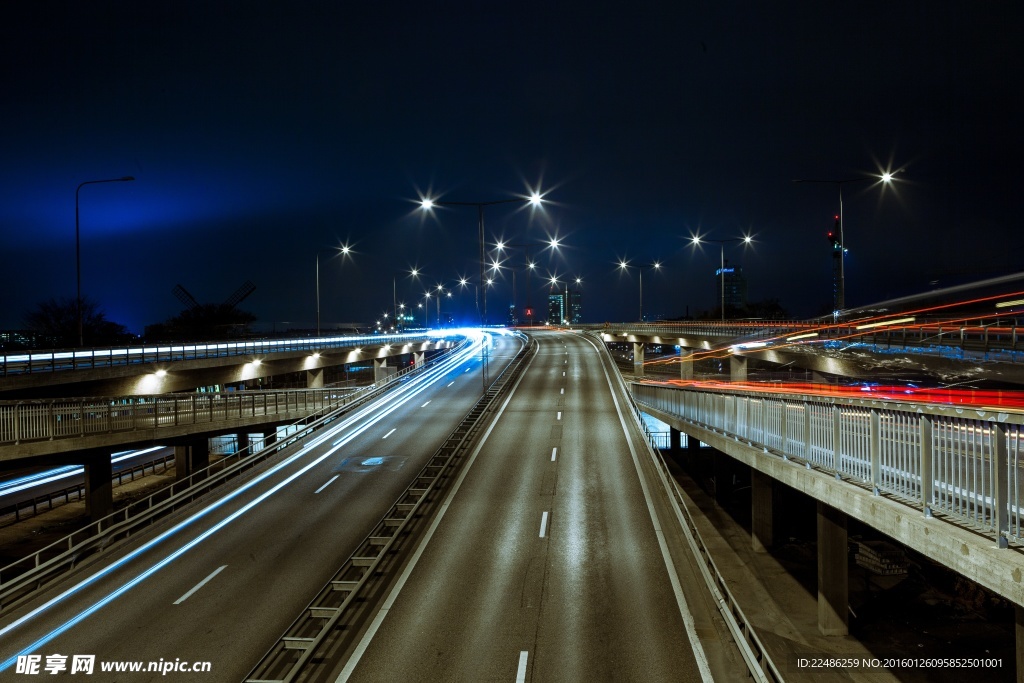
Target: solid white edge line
(554, 452)
(329, 482)
(521, 671)
(390, 433)
(199, 585)
(684, 610)
(543, 523)
(364, 643)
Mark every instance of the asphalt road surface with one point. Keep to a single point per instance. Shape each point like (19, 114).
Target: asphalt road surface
(546, 565)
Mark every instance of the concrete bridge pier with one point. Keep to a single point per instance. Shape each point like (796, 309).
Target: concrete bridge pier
(190, 456)
(833, 572)
(419, 358)
(241, 441)
(269, 436)
(722, 469)
(1020, 643)
(761, 520)
(675, 443)
(315, 378)
(685, 364)
(737, 368)
(638, 359)
(99, 494)
(380, 371)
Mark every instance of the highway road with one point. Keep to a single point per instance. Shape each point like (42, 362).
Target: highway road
(546, 565)
(221, 580)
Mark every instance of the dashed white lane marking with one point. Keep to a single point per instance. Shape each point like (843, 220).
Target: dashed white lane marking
(424, 405)
(450, 383)
(329, 482)
(562, 390)
(202, 583)
(521, 671)
(554, 453)
(544, 524)
(559, 415)
(390, 433)
(563, 374)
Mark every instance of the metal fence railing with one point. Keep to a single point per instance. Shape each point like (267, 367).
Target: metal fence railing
(963, 467)
(53, 419)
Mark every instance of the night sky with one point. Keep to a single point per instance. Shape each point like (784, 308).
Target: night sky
(262, 132)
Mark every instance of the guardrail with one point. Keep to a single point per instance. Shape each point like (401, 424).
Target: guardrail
(53, 419)
(21, 577)
(937, 460)
(53, 360)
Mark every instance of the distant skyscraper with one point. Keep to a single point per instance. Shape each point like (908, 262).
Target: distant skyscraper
(575, 306)
(735, 288)
(556, 307)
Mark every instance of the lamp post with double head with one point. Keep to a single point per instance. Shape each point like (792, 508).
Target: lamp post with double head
(427, 204)
(78, 250)
(697, 240)
(654, 265)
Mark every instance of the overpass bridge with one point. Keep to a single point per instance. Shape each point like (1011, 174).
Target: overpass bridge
(948, 350)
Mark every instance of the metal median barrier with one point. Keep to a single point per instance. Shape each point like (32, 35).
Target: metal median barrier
(24, 576)
(336, 616)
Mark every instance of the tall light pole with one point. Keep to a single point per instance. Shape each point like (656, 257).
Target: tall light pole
(427, 204)
(839, 300)
(552, 243)
(344, 250)
(696, 241)
(654, 265)
(78, 250)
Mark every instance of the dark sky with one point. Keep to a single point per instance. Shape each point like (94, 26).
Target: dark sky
(260, 132)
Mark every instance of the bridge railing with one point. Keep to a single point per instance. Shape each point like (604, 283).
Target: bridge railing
(52, 419)
(53, 360)
(965, 468)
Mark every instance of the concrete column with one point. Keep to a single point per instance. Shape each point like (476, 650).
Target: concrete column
(761, 524)
(191, 456)
(638, 359)
(419, 358)
(380, 370)
(675, 442)
(99, 495)
(242, 441)
(723, 477)
(737, 368)
(818, 378)
(692, 446)
(315, 378)
(685, 364)
(269, 437)
(833, 568)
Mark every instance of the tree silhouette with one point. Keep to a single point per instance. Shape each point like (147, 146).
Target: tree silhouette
(55, 322)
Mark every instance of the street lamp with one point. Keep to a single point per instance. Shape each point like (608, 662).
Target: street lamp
(344, 250)
(78, 251)
(655, 265)
(696, 241)
(427, 204)
(839, 297)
